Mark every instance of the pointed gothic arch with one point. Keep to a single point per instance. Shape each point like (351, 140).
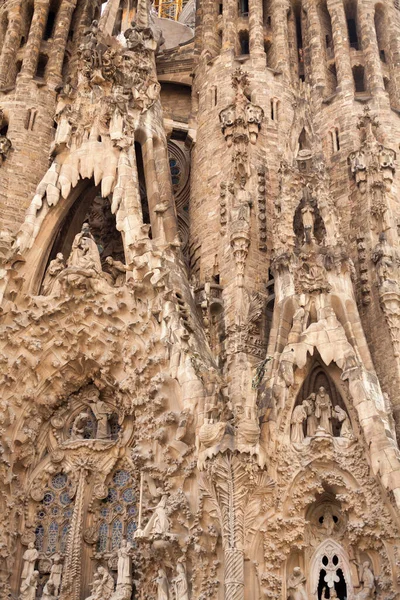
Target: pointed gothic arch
(330, 566)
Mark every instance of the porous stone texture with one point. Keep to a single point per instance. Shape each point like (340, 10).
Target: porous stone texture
(200, 301)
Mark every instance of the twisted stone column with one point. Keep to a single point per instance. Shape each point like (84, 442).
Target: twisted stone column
(341, 45)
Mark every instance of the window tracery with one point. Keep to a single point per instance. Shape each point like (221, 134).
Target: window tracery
(117, 513)
(53, 516)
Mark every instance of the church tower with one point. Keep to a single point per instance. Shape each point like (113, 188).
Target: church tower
(200, 300)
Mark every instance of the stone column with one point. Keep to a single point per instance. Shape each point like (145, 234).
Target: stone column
(279, 10)
(256, 27)
(317, 51)
(11, 42)
(60, 38)
(229, 16)
(32, 49)
(152, 188)
(341, 45)
(210, 33)
(369, 45)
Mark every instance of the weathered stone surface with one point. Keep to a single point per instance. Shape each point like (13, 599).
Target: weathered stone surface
(200, 301)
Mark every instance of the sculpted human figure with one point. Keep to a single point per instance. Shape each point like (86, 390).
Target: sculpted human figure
(102, 586)
(49, 592)
(79, 426)
(180, 583)
(117, 270)
(159, 522)
(55, 573)
(102, 412)
(162, 585)
(384, 257)
(85, 253)
(307, 214)
(343, 418)
(29, 586)
(299, 415)
(309, 406)
(50, 284)
(368, 583)
(296, 585)
(124, 564)
(323, 410)
(30, 557)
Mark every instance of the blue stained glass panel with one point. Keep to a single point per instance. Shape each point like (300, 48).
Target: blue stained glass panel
(59, 481)
(39, 532)
(130, 530)
(121, 478)
(65, 498)
(103, 536)
(128, 496)
(64, 537)
(48, 498)
(112, 495)
(116, 534)
(52, 538)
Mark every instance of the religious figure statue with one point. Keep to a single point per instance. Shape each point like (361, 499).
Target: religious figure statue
(307, 214)
(309, 406)
(49, 591)
(299, 415)
(85, 253)
(180, 583)
(162, 585)
(30, 557)
(298, 325)
(79, 426)
(385, 259)
(323, 410)
(50, 284)
(102, 412)
(117, 270)
(55, 574)
(159, 522)
(368, 583)
(102, 586)
(296, 585)
(124, 564)
(343, 418)
(29, 586)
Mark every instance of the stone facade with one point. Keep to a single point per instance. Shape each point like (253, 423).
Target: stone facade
(200, 301)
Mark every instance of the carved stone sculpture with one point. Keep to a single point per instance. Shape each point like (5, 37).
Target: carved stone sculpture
(56, 573)
(50, 284)
(162, 585)
(158, 522)
(79, 426)
(296, 585)
(49, 592)
(367, 580)
(312, 423)
(124, 564)
(102, 412)
(30, 557)
(323, 410)
(85, 254)
(299, 415)
(343, 418)
(29, 587)
(180, 583)
(102, 586)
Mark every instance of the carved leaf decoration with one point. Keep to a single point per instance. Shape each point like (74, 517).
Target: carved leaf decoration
(207, 489)
(232, 489)
(254, 504)
(255, 308)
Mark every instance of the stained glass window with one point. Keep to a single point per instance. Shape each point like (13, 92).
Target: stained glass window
(117, 512)
(53, 516)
